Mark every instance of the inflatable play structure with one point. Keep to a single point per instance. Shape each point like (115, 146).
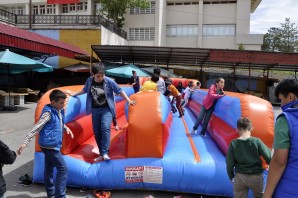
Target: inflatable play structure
(153, 148)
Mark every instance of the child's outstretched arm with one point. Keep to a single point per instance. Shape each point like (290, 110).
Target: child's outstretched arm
(45, 117)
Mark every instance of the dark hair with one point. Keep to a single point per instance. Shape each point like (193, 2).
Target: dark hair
(218, 79)
(168, 81)
(98, 68)
(286, 86)
(154, 78)
(244, 124)
(198, 83)
(56, 94)
(133, 71)
(190, 83)
(156, 70)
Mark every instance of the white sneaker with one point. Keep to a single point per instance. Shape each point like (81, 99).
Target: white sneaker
(106, 157)
(193, 132)
(98, 158)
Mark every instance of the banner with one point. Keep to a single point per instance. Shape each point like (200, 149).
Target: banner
(62, 1)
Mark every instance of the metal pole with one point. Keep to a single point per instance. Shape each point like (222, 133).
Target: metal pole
(30, 14)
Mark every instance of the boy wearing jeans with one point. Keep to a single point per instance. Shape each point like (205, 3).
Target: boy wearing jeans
(244, 156)
(50, 127)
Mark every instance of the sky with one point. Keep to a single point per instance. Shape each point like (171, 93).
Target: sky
(271, 13)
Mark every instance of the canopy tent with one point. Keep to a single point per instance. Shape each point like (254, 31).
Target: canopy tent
(12, 63)
(79, 67)
(126, 71)
(163, 72)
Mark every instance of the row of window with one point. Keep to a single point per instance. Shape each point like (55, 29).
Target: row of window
(142, 34)
(50, 9)
(196, 2)
(138, 10)
(208, 30)
(148, 34)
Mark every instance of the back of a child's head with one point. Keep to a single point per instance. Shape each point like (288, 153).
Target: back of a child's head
(98, 68)
(198, 83)
(190, 84)
(57, 94)
(156, 70)
(154, 78)
(286, 86)
(244, 124)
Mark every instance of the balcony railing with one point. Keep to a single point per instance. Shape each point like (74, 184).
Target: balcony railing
(72, 20)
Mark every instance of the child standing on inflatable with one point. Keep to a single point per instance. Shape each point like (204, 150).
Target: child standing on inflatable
(100, 103)
(187, 92)
(215, 92)
(50, 127)
(171, 90)
(282, 178)
(243, 158)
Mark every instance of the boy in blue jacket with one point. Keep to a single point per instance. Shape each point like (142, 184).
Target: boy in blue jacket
(50, 127)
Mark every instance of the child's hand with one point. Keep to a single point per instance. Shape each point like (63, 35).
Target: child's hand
(19, 151)
(69, 132)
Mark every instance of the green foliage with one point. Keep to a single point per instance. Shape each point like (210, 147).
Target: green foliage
(115, 9)
(283, 39)
(241, 47)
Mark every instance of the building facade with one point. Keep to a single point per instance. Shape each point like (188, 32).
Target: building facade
(223, 24)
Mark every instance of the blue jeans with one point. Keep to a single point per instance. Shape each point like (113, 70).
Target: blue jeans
(54, 159)
(101, 121)
(206, 115)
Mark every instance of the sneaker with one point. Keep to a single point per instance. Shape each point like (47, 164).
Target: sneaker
(193, 132)
(23, 178)
(27, 183)
(106, 157)
(99, 158)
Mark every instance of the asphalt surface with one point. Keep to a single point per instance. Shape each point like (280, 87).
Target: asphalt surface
(14, 126)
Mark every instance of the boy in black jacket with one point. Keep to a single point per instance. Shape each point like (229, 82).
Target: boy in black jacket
(7, 156)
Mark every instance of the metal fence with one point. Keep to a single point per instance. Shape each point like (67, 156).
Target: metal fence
(71, 20)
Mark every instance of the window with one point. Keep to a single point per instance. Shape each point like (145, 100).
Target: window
(80, 6)
(72, 7)
(142, 34)
(219, 30)
(20, 10)
(35, 10)
(50, 9)
(65, 8)
(42, 9)
(182, 30)
(149, 10)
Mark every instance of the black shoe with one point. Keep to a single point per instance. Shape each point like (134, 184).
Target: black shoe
(27, 183)
(23, 178)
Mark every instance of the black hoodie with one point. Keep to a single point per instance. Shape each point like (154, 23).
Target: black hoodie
(7, 156)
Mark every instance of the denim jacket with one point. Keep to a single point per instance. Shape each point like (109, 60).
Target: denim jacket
(110, 87)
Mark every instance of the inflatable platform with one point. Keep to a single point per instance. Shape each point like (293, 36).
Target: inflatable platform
(153, 148)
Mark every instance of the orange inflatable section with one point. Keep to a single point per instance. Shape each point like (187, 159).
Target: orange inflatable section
(146, 135)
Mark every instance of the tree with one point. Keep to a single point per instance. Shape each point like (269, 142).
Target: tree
(283, 39)
(271, 40)
(241, 47)
(115, 9)
(289, 39)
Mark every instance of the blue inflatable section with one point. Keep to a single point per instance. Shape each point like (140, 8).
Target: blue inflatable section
(231, 105)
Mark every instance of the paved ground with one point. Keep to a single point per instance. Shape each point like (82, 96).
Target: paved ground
(13, 128)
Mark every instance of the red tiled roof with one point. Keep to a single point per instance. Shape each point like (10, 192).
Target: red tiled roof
(22, 39)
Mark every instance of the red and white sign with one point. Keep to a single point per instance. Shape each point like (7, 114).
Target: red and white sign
(146, 174)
